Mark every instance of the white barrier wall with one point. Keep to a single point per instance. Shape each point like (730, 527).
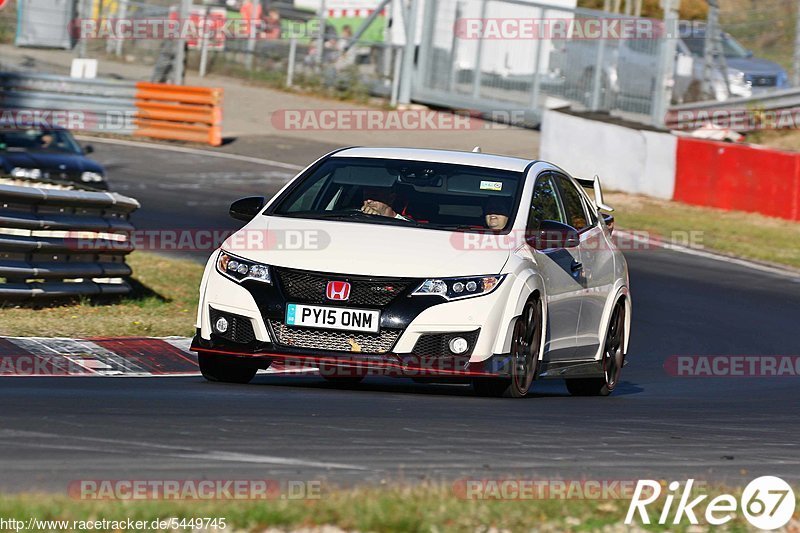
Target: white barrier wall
(628, 160)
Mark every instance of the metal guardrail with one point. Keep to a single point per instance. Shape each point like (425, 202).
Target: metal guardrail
(696, 114)
(156, 110)
(98, 105)
(58, 243)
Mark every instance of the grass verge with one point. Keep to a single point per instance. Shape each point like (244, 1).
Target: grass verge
(390, 509)
(781, 139)
(163, 303)
(747, 235)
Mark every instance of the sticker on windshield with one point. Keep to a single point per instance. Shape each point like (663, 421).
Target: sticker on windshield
(491, 185)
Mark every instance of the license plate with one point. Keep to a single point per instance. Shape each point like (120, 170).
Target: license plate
(341, 318)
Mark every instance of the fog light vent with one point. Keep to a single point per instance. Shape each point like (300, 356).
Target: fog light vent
(221, 325)
(458, 345)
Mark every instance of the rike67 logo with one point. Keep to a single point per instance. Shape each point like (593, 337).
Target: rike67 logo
(767, 503)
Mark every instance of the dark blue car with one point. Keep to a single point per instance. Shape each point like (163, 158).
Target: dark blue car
(50, 155)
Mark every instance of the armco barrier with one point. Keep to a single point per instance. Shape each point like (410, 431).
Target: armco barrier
(626, 159)
(59, 243)
(675, 167)
(738, 177)
(157, 110)
(177, 112)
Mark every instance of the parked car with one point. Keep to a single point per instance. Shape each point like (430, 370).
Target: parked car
(50, 154)
(427, 264)
(630, 69)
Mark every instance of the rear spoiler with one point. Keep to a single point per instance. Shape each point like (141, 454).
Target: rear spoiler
(598, 192)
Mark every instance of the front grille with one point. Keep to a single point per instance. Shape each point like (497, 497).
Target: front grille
(240, 328)
(765, 81)
(309, 287)
(436, 344)
(336, 341)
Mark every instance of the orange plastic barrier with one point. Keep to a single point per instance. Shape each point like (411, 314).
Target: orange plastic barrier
(179, 112)
(739, 177)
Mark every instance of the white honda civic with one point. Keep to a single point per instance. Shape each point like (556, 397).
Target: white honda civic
(430, 264)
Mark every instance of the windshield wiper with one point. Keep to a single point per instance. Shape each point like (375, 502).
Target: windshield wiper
(379, 219)
(460, 227)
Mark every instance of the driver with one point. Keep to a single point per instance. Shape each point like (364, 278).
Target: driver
(46, 140)
(379, 200)
(497, 211)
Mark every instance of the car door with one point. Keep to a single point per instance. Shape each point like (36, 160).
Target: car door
(557, 269)
(596, 274)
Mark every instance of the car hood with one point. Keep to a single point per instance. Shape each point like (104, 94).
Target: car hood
(754, 66)
(49, 161)
(368, 249)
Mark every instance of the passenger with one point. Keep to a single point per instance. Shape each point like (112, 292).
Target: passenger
(497, 211)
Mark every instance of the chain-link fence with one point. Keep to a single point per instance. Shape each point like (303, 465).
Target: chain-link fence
(142, 51)
(515, 55)
(491, 56)
(8, 22)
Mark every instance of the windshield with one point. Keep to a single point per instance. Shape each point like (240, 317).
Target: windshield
(730, 47)
(39, 140)
(411, 193)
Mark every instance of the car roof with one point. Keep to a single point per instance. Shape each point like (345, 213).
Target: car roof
(455, 157)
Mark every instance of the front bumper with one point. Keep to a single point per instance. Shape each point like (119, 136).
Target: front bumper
(406, 323)
(338, 364)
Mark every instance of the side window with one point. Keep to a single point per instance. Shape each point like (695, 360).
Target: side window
(544, 203)
(307, 199)
(591, 212)
(573, 204)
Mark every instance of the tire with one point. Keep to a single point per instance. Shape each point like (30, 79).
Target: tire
(223, 370)
(612, 362)
(525, 343)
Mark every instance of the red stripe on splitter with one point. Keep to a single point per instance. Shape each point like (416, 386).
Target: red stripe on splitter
(154, 355)
(16, 361)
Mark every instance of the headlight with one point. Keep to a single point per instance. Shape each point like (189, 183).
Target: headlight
(91, 177)
(783, 79)
(456, 288)
(239, 269)
(29, 173)
(740, 84)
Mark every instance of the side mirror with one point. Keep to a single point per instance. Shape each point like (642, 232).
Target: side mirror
(552, 234)
(609, 220)
(247, 208)
(88, 149)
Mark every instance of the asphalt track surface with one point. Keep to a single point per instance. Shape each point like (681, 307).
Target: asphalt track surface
(54, 430)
